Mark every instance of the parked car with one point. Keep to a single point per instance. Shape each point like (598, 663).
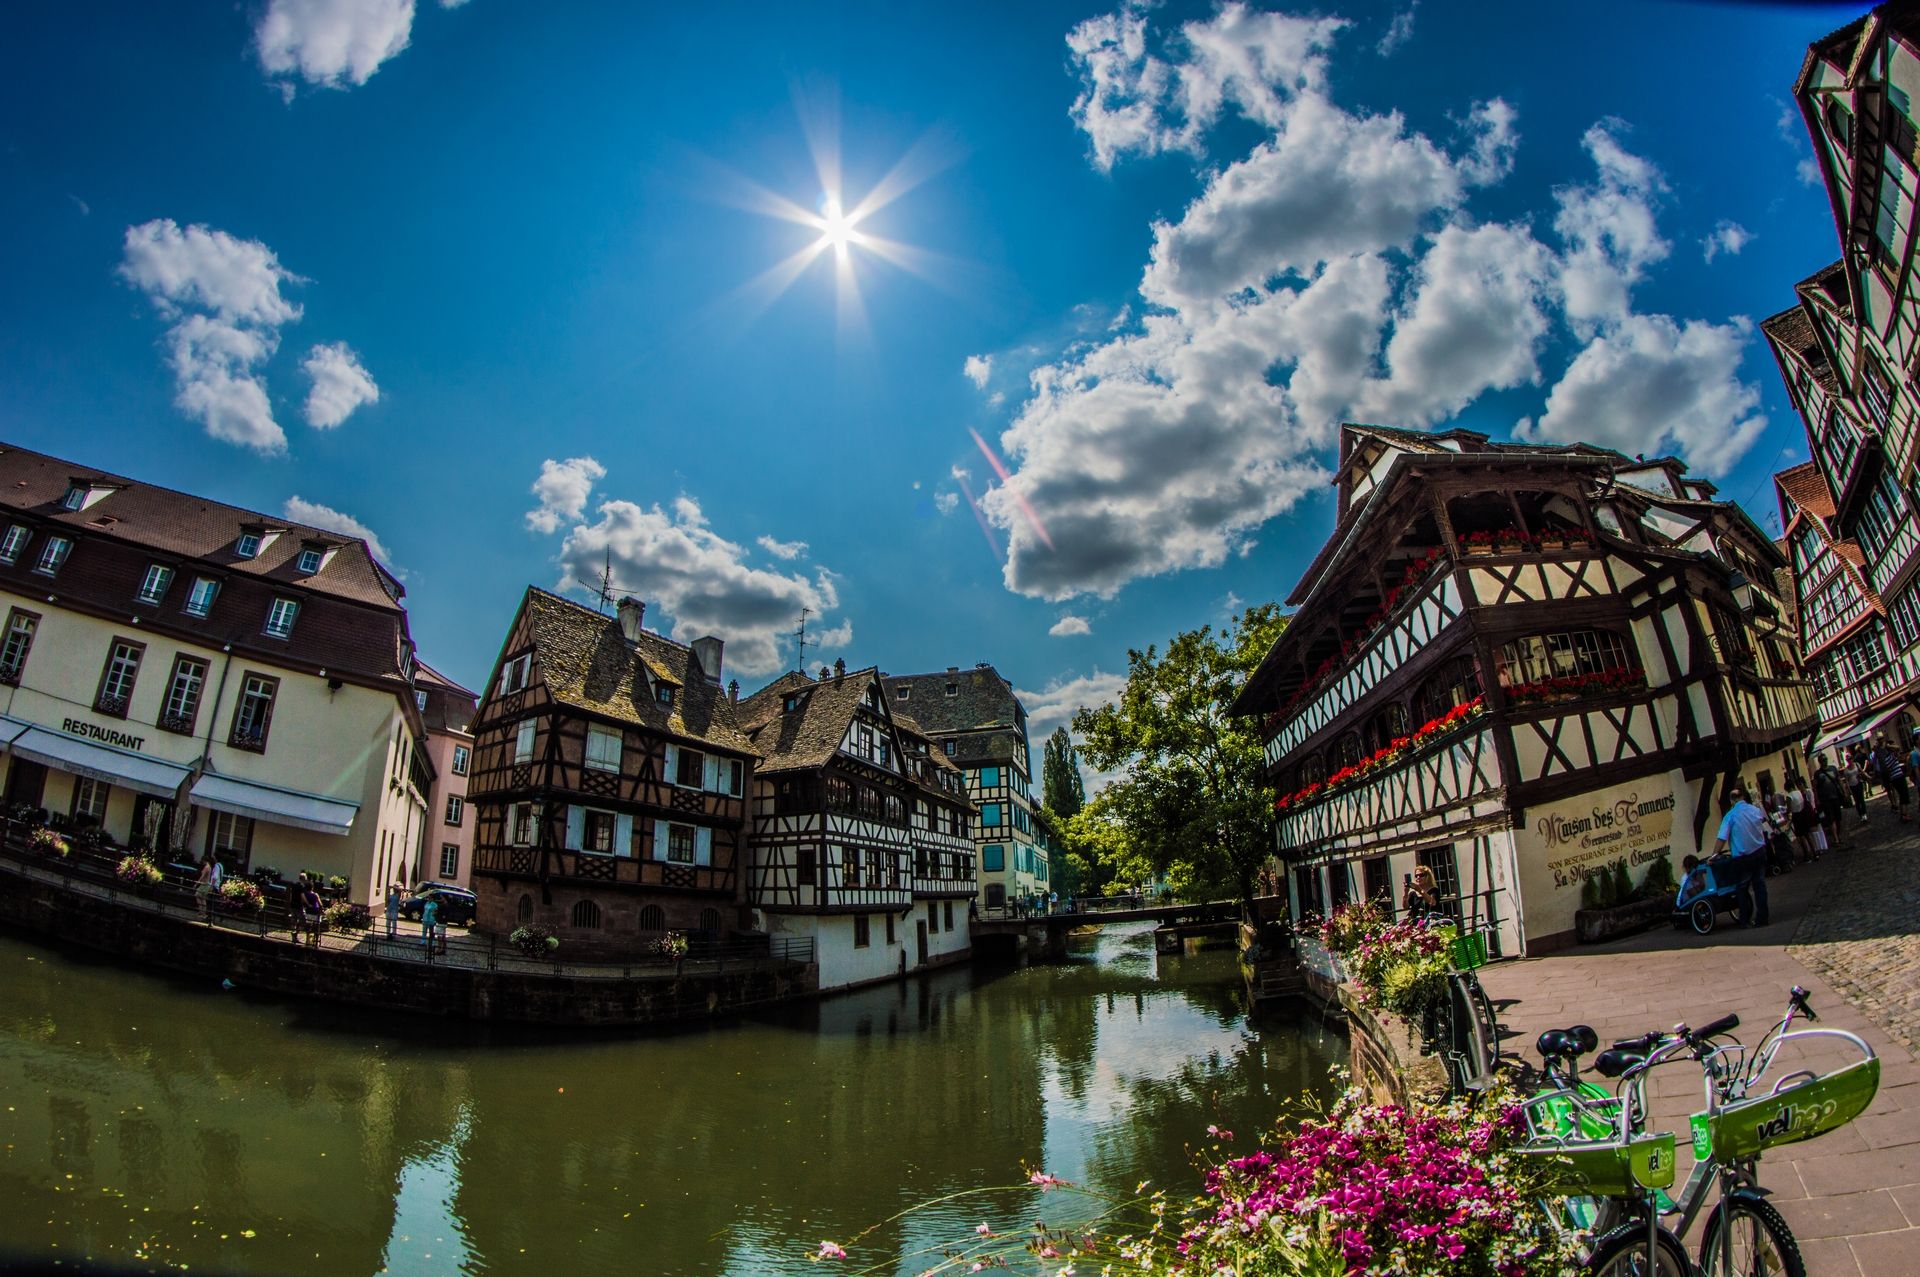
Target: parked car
(457, 904)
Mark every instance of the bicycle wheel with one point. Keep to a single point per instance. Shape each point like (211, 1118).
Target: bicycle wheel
(1763, 1245)
(1701, 916)
(1623, 1253)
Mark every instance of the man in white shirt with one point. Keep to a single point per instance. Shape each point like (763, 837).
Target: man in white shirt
(1743, 830)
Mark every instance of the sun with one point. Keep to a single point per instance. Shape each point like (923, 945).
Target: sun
(837, 226)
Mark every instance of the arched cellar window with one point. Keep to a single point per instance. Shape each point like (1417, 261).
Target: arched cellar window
(1387, 726)
(710, 921)
(525, 911)
(1540, 657)
(1454, 683)
(586, 915)
(1313, 770)
(653, 918)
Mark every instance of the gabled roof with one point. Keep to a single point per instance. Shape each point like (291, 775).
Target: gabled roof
(811, 733)
(1807, 488)
(587, 662)
(982, 699)
(183, 526)
(450, 707)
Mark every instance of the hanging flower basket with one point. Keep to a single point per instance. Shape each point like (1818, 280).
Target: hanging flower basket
(48, 843)
(535, 942)
(138, 871)
(242, 896)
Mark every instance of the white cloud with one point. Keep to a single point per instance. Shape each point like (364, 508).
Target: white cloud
(222, 297)
(1725, 237)
(1056, 704)
(1653, 384)
(340, 385)
(1475, 323)
(1609, 230)
(315, 515)
(1134, 100)
(1808, 171)
(563, 488)
(782, 549)
(701, 579)
(946, 502)
(977, 369)
(1398, 32)
(331, 43)
(1067, 626)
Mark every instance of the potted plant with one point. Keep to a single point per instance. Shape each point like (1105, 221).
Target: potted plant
(344, 915)
(242, 896)
(47, 843)
(1611, 905)
(535, 942)
(138, 872)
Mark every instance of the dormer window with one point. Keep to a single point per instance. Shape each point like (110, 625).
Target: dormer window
(248, 545)
(663, 694)
(75, 499)
(13, 543)
(200, 597)
(280, 617)
(420, 700)
(513, 675)
(52, 555)
(953, 689)
(153, 587)
(900, 692)
(793, 703)
(310, 560)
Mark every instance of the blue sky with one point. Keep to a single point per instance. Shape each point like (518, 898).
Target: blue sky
(496, 282)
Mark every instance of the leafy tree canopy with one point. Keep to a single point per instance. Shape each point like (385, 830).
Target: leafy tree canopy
(1061, 787)
(1193, 799)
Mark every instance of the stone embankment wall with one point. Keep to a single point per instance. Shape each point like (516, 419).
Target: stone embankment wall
(164, 938)
(1384, 1055)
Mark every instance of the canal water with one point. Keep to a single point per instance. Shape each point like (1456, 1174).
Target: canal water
(151, 1121)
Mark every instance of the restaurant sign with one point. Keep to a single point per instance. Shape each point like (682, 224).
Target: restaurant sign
(1565, 843)
(105, 735)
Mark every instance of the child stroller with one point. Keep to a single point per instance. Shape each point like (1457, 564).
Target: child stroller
(1707, 888)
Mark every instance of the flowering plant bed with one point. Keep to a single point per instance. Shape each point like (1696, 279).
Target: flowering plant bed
(535, 942)
(672, 946)
(242, 896)
(48, 843)
(1388, 754)
(1399, 967)
(138, 871)
(1575, 686)
(344, 915)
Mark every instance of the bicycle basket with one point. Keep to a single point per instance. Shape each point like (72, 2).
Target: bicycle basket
(1607, 1170)
(1469, 951)
(1788, 1116)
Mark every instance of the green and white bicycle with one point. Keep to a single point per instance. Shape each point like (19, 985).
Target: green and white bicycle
(1617, 1175)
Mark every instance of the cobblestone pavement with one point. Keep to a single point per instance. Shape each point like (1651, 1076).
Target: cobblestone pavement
(1848, 930)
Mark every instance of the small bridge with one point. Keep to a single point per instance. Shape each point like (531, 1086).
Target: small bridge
(1048, 932)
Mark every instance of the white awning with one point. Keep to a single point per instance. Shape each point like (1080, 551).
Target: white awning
(275, 806)
(10, 729)
(1844, 735)
(101, 762)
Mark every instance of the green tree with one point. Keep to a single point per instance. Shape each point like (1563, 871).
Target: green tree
(1060, 785)
(1194, 797)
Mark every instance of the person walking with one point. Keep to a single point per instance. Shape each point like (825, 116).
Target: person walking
(297, 909)
(429, 922)
(203, 889)
(1853, 777)
(393, 910)
(1829, 802)
(1743, 831)
(1892, 773)
(310, 907)
(1800, 816)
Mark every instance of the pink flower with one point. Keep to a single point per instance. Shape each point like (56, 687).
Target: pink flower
(1046, 1182)
(984, 1231)
(832, 1250)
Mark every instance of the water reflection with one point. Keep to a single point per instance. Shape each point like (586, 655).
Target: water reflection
(162, 1121)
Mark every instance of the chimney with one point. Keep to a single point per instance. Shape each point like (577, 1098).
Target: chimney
(825, 674)
(707, 652)
(839, 668)
(632, 612)
(733, 691)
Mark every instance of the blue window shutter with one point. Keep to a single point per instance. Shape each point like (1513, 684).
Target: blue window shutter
(623, 835)
(702, 846)
(672, 777)
(660, 836)
(576, 827)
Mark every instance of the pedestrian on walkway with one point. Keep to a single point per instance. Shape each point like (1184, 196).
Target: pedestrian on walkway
(1829, 802)
(203, 889)
(1892, 774)
(297, 909)
(1743, 831)
(393, 910)
(429, 921)
(1773, 804)
(1854, 777)
(219, 875)
(310, 906)
(1800, 816)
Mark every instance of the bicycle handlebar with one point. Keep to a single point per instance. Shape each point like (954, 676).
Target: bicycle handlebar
(1725, 1024)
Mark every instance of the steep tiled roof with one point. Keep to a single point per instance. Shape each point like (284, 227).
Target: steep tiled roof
(1806, 487)
(981, 699)
(810, 733)
(588, 663)
(190, 527)
(450, 707)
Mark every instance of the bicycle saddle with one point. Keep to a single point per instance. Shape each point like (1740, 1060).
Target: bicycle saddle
(1616, 1060)
(1566, 1043)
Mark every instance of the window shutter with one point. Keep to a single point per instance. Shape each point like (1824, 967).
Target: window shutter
(576, 827)
(702, 846)
(623, 835)
(711, 780)
(672, 775)
(660, 834)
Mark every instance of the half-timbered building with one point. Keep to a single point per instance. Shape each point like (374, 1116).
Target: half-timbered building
(1514, 665)
(1845, 644)
(609, 783)
(977, 721)
(1847, 347)
(860, 829)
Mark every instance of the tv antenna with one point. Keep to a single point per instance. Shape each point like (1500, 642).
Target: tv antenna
(604, 591)
(801, 642)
